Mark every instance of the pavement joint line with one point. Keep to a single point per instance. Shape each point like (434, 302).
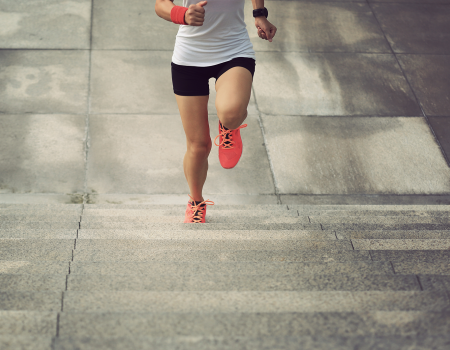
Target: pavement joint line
(351, 241)
(418, 281)
(446, 158)
(336, 235)
(263, 133)
(392, 265)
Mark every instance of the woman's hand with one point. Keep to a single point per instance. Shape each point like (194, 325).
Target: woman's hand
(195, 15)
(266, 30)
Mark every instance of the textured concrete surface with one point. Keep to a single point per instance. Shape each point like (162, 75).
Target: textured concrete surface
(50, 24)
(354, 155)
(128, 160)
(44, 81)
(414, 28)
(321, 27)
(430, 79)
(27, 323)
(35, 158)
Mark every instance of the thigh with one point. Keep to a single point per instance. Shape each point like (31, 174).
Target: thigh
(194, 116)
(190, 80)
(233, 87)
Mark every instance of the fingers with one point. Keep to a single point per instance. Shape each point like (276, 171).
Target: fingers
(195, 15)
(268, 34)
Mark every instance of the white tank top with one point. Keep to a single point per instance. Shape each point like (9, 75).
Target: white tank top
(222, 37)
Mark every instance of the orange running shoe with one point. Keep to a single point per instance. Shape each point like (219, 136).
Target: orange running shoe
(230, 146)
(195, 213)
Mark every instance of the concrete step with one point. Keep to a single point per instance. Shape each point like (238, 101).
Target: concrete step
(232, 219)
(28, 323)
(38, 234)
(394, 234)
(349, 226)
(215, 255)
(36, 253)
(156, 268)
(39, 225)
(362, 207)
(369, 213)
(205, 234)
(414, 256)
(34, 267)
(210, 244)
(206, 226)
(217, 282)
(26, 342)
(105, 207)
(31, 301)
(211, 211)
(367, 323)
(401, 244)
(440, 267)
(6, 244)
(32, 282)
(371, 220)
(261, 343)
(44, 218)
(254, 301)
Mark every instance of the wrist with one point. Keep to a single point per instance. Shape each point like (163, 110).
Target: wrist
(177, 14)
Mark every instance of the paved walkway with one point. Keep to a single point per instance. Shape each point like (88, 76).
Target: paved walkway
(351, 98)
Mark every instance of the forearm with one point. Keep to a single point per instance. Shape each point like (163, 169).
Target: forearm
(258, 4)
(163, 8)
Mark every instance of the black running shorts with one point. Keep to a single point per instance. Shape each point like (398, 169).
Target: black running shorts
(194, 81)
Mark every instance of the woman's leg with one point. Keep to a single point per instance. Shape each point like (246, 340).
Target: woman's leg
(194, 115)
(233, 95)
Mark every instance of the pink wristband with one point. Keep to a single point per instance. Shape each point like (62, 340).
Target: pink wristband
(177, 14)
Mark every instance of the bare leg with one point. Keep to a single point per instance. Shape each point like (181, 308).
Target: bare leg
(194, 115)
(233, 95)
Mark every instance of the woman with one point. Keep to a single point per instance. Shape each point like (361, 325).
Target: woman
(212, 41)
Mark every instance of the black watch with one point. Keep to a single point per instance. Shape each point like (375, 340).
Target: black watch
(260, 12)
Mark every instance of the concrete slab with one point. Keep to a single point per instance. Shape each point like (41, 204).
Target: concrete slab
(38, 217)
(401, 244)
(420, 267)
(204, 226)
(332, 84)
(211, 255)
(212, 244)
(441, 128)
(131, 25)
(35, 282)
(320, 27)
(429, 77)
(380, 219)
(435, 282)
(33, 254)
(247, 343)
(38, 159)
(350, 155)
(44, 81)
(212, 219)
(39, 234)
(6, 244)
(365, 199)
(416, 256)
(27, 322)
(128, 301)
(206, 235)
(219, 282)
(120, 160)
(180, 199)
(34, 267)
(30, 301)
(415, 28)
(41, 198)
(145, 84)
(108, 324)
(51, 24)
(38, 225)
(34, 342)
(394, 234)
(231, 268)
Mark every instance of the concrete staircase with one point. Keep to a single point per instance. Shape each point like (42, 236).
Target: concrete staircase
(255, 277)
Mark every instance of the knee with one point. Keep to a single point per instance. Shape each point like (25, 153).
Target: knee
(232, 117)
(199, 150)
